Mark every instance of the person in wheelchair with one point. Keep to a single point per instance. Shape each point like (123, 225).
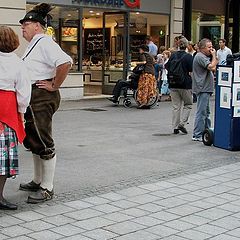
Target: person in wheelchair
(131, 83)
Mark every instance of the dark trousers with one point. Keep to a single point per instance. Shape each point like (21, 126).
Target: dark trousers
(119, 86)
(159, 85)
(38, 125)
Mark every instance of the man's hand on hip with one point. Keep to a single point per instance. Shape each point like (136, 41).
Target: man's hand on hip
(48, 85)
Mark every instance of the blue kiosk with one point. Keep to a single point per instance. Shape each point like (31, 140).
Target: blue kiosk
(226, 133)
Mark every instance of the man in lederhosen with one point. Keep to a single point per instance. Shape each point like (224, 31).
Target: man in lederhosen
(48, 66)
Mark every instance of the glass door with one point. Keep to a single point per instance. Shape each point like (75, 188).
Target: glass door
(115, 49)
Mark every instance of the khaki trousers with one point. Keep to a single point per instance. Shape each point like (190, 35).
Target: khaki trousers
(182, 101)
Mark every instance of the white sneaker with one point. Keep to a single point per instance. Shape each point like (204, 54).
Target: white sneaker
(195, 139)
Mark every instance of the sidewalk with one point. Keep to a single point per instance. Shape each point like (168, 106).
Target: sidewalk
(198, 206)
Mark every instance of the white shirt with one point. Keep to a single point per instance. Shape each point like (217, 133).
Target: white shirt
(15, 77)
(222, 55)
(45, 57)
(164, 71)
(190, 52)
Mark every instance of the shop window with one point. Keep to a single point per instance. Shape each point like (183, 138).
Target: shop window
(64, 30)
(211, 32)
(207, 26)
(143, 24)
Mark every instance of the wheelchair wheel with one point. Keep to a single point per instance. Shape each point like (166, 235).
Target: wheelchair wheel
(127, 103)
(153, 100)
(207, 137)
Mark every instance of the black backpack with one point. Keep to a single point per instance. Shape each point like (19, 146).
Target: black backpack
(176, 75)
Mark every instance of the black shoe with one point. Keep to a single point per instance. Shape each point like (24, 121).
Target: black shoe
(112, 99)
(40, 196)
(143, 107)
(182, 129)
(175, 131)
(5, 205)
(31, 186)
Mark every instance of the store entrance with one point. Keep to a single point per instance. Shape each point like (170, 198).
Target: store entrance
(115, 49)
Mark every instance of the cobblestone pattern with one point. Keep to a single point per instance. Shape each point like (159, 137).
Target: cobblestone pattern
(199, 206)
(86, 192)
(154, 177)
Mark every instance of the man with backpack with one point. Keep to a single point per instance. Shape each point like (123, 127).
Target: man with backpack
(179, 68)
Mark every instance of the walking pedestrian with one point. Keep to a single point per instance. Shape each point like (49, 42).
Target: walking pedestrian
(48, 65)
(203, 85)
(176, 42)
(15, 91)
(180, 84)
(165, 86)
(223, 52)
(160, 59)
(190, 48)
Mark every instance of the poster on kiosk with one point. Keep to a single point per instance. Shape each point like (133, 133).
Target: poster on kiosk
(227, 109)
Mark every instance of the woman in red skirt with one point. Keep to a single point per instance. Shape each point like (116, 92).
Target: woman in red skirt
(15, 90)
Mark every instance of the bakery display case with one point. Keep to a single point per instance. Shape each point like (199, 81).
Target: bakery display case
(68, 36)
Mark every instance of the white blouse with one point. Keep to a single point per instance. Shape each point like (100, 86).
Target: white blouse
(15, 77)
(164, 71)
(44, 58)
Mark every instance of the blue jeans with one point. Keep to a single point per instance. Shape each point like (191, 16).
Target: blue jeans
(202, 118)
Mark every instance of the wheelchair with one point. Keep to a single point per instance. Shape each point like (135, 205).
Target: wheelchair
(129, 92)
(129, 95)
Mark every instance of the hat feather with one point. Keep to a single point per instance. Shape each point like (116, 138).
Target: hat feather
(43, 9)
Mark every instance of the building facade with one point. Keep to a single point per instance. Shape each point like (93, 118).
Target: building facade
(213, 19)
(102, 36)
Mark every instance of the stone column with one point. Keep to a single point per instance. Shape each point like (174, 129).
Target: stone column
(11, 11)
(176, 27)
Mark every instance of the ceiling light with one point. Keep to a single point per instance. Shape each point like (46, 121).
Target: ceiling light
(91, 11)
(137, 13)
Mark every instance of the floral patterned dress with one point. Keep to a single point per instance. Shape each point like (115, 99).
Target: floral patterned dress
(8, 151)
(146, 88)
(147, 82)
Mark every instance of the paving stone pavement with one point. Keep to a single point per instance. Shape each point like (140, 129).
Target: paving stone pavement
(203, 205)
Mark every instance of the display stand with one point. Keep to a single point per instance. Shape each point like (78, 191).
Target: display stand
(227, 108)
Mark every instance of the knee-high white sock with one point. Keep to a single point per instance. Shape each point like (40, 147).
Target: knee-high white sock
(48, 170)
(37, 169)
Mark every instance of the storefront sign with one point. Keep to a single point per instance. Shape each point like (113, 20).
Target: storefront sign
(132, 4)
(110, 3)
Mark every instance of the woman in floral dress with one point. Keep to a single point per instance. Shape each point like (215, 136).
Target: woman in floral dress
(15, 90)
(147, 81)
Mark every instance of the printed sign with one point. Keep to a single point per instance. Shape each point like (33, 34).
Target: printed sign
(110, 3)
